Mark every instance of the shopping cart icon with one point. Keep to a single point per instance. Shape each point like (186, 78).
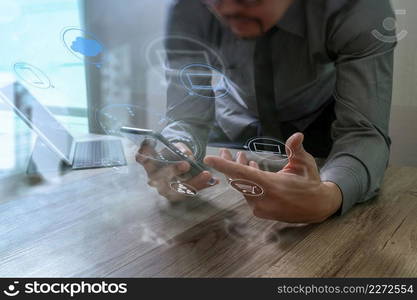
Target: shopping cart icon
(183, 188)
(31, 75)
(178, 56)
(266, 147)
(205, 81)
(246, 187)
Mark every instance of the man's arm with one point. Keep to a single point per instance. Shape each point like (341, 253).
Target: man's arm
(363, 93)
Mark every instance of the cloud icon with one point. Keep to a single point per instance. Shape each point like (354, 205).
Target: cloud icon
(86, 46)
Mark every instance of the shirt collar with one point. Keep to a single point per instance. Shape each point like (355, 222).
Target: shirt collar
(293, 20)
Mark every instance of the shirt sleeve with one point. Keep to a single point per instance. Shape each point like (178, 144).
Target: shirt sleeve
(364, 66)
(189, 115)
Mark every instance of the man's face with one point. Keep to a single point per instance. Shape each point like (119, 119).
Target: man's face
(249, 18)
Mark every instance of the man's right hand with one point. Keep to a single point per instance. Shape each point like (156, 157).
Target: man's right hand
(161, 174)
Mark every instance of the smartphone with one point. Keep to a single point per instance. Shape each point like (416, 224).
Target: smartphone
(196, 167)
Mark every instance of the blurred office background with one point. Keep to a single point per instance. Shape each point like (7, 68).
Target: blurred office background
(31, 31)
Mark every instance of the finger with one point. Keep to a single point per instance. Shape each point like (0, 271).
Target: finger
(225, 154)
(149, 163)
(151, 166)
(167, 172)
(145, 151)
(200, 181)
(294, 147)
(148, 158)
(241, 158)
(254, 164)
(146, 154)
(233, 169)
(300, 162)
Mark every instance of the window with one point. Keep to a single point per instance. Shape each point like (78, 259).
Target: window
(31, 39)
(32, 34)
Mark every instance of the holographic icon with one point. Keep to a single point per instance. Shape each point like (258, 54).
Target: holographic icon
(83, 45)
(194, 56)
(86, 47)
(183, 188)
(32, 75)
(194, 80)
(200, 78)
(246, 187)
(268, 148)
(167, 55)
(390, 24)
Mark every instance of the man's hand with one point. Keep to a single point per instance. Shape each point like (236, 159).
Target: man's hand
(295, 194)
(160, 174)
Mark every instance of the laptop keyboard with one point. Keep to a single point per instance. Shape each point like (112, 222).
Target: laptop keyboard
(98, 154)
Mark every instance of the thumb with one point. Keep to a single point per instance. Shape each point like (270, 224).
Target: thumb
(300, 162)
(294, 146)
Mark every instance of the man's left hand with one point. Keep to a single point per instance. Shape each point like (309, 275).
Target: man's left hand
(295, 194)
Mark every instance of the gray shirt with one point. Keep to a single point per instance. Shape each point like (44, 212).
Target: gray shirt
(322, 49)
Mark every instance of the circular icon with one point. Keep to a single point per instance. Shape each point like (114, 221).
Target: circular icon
(183, 188)
(268, 148)
(169, 54)
(115, 116)
(83, 45)
(389, 24)
(32, 75)
(204, 80)
(246, 187)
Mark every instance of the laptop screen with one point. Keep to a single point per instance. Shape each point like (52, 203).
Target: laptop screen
(36, 116)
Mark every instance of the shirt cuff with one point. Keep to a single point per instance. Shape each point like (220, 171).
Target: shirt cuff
(350, 176)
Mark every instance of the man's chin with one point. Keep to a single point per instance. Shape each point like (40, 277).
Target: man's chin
(247, 34)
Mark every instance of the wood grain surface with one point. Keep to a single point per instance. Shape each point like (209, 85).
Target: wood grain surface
(109, 223)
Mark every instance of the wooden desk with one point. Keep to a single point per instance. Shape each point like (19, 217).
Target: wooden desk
(107, 222)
